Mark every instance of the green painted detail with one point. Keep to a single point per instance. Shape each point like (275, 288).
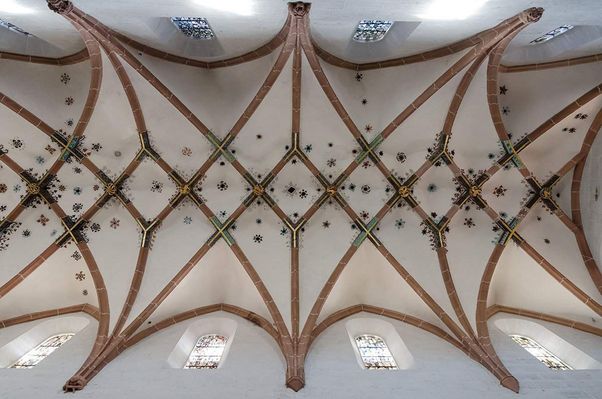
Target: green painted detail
(371, 147)
(360, 239)
(229, 239)
(222, 231)
(513, 223)
(361, 156)
(505, 237)
(218, 145)
(69, 149)
(364, 234)
(372, 223)
(73, 143)
(377, 141)
(218, 225)
(228, 155)
(213, 139)
(517, 162)
(509, 148)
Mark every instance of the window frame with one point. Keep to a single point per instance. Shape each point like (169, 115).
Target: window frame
(14, 28)
(553, 34)
(371, 30)
(541, 353)
(196, 28)
(387, 354)
(200, 352)
(41, 351)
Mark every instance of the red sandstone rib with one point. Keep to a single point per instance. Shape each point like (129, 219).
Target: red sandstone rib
(75, 58)
(552, 64)
(495, 309)
(453, 48)
(26, 318)
(250, 56)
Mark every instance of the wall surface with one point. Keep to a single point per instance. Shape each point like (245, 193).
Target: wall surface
(255, 369)
(591, 204)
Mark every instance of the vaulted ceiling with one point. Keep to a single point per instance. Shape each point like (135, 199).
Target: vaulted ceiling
(244, 25)
(294, 187)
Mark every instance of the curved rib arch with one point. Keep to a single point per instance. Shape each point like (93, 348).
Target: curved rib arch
(295, 39)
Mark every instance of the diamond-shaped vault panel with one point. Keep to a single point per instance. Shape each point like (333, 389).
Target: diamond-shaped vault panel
(295, 189)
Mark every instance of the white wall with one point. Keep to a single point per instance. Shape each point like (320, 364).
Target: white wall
(255, 369)
(47, 378)
(591, 210)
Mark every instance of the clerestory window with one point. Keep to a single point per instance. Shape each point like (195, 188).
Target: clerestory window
(207, 352)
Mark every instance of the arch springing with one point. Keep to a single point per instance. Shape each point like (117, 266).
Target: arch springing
(375, 353)
(42, 351)
(207, 352)
(540, 353)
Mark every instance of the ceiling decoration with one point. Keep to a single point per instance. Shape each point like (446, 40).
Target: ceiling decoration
(339, 189)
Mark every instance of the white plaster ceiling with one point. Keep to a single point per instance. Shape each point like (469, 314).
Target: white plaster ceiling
(218, 97)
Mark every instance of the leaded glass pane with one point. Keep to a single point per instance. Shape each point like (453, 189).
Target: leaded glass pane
(371, 30)
(207, 352)
(541, 353)
(40, 352)
(13, 27)
(194, 27)
(552, 34)
(375, 353)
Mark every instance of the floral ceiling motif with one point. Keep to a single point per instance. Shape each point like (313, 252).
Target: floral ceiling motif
(334, 169)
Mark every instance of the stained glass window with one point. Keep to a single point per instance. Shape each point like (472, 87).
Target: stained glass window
(40, 352)
(541, 353)
(207, 352)
(552, 34)
(371, 30)
(13, 27)
(375, 353)
(194, 27)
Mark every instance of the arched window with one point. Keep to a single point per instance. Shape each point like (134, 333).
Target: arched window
(40, 352)
(207, 352)
(541, 353)
(374, 352)
(194, 27)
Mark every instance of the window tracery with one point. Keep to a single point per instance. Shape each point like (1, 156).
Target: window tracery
(552, 34)
(371, 30)
(541, 353)
(194, 27)
(207, 352)
(375, 353)
(42, 351)
(14, 28)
